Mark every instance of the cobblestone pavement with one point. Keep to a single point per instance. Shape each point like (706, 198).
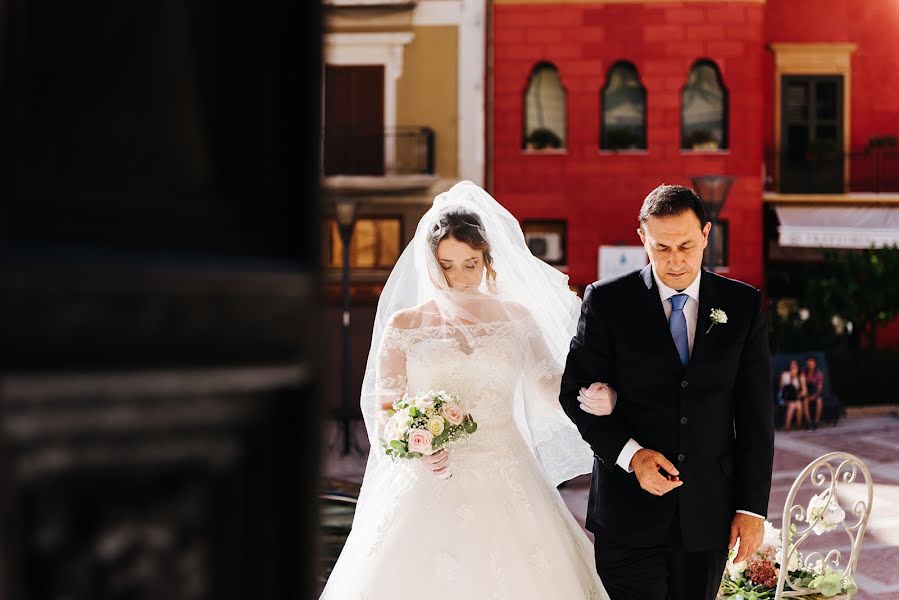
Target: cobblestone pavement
(874, 439)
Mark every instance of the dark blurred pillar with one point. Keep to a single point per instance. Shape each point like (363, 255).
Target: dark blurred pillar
(159, 259)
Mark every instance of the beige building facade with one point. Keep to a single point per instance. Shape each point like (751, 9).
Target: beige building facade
(403, 119)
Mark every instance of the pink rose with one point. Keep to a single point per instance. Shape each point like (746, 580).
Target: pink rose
(420, 441)
(453, 413)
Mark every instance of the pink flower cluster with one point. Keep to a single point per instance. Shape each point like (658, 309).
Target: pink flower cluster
(760, 570)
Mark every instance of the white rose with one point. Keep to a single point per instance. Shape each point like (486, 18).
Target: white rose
(396, 426)
(435, 425)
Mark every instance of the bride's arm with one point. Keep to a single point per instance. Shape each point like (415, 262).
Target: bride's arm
(392, 382)
(598, 399)
(390, 372)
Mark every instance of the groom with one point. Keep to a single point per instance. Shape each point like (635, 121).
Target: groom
(682, 466)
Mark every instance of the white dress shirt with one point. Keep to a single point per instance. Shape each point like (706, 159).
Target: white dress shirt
(691, 313)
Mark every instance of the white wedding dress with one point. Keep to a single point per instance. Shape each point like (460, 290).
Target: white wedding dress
(496, 529)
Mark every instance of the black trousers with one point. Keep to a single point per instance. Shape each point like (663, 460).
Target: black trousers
(663, 572)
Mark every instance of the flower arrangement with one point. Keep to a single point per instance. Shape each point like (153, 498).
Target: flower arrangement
(424, 424)
(756, 577)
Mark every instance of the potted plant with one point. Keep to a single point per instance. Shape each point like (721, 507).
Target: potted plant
(541, 139)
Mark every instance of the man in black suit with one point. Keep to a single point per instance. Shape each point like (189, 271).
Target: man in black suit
(683, 464)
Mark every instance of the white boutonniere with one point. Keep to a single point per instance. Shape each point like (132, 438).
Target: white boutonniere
(717, 316)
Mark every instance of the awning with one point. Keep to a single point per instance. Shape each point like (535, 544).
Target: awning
(838, 227)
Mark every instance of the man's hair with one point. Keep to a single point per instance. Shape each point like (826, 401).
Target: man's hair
(672, 200)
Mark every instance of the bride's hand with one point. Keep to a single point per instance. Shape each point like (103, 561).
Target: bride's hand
(438, 463)
(599, 399)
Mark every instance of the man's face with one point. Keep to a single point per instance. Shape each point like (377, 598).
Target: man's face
(810, 364)
(675, 245)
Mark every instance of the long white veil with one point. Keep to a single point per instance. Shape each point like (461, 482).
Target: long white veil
(524, 290)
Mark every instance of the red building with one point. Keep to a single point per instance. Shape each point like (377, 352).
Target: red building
(595, 103)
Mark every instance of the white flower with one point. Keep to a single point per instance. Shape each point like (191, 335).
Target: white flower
(424, 404)
(396, 426)
(825, 512)
(435, 425)
(772, 535)
(834, 514)
(735, 570)
(794, 562)
(717, 316)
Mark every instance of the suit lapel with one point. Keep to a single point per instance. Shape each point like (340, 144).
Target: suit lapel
(656, 322)
(708, 299)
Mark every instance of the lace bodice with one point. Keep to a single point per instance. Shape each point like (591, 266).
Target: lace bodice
(483, 363)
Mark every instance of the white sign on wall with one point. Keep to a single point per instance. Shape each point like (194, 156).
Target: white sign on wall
(618, 260)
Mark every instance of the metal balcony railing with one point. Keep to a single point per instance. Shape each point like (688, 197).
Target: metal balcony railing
(871, 171)
(379, 152)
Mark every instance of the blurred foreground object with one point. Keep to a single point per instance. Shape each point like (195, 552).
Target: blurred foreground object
(159, 252)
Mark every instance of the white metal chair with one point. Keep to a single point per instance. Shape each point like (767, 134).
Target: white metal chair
(827, 473)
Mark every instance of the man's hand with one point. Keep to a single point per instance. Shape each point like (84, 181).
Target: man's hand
(599, 399)
(750, 530)
(438, 463)
(646, 464)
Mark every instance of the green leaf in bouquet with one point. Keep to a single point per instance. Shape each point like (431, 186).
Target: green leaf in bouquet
(441, 439)
(469, 425)
(414, 455)
(414, 412)
(398, 445)
(391, 412)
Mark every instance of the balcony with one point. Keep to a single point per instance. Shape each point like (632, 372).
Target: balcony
(863, 172)
(390, 160)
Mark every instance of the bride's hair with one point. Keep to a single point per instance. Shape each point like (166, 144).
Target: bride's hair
(465, 227)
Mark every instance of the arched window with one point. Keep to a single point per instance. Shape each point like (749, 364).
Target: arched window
(704, 109)
(544, 109)
(623, 109)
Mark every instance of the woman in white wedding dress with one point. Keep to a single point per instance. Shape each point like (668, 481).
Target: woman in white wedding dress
(469, 310)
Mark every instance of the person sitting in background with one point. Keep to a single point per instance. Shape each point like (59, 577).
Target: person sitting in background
(814, 381)
(793, 393)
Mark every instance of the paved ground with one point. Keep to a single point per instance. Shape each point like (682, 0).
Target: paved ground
(874, 439)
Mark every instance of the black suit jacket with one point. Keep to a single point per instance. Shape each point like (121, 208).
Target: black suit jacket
(712, 419)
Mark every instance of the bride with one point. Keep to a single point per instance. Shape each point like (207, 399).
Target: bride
(469, 310)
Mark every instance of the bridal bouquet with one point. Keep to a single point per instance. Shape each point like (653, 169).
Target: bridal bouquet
(424, 424)
(756, 577)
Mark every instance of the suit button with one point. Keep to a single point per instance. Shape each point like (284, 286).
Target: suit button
(683, 420)
(681, 458)
(684, 383)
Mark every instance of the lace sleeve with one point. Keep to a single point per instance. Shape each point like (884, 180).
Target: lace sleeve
(553, 437)
(544, 366)
(390, 369)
